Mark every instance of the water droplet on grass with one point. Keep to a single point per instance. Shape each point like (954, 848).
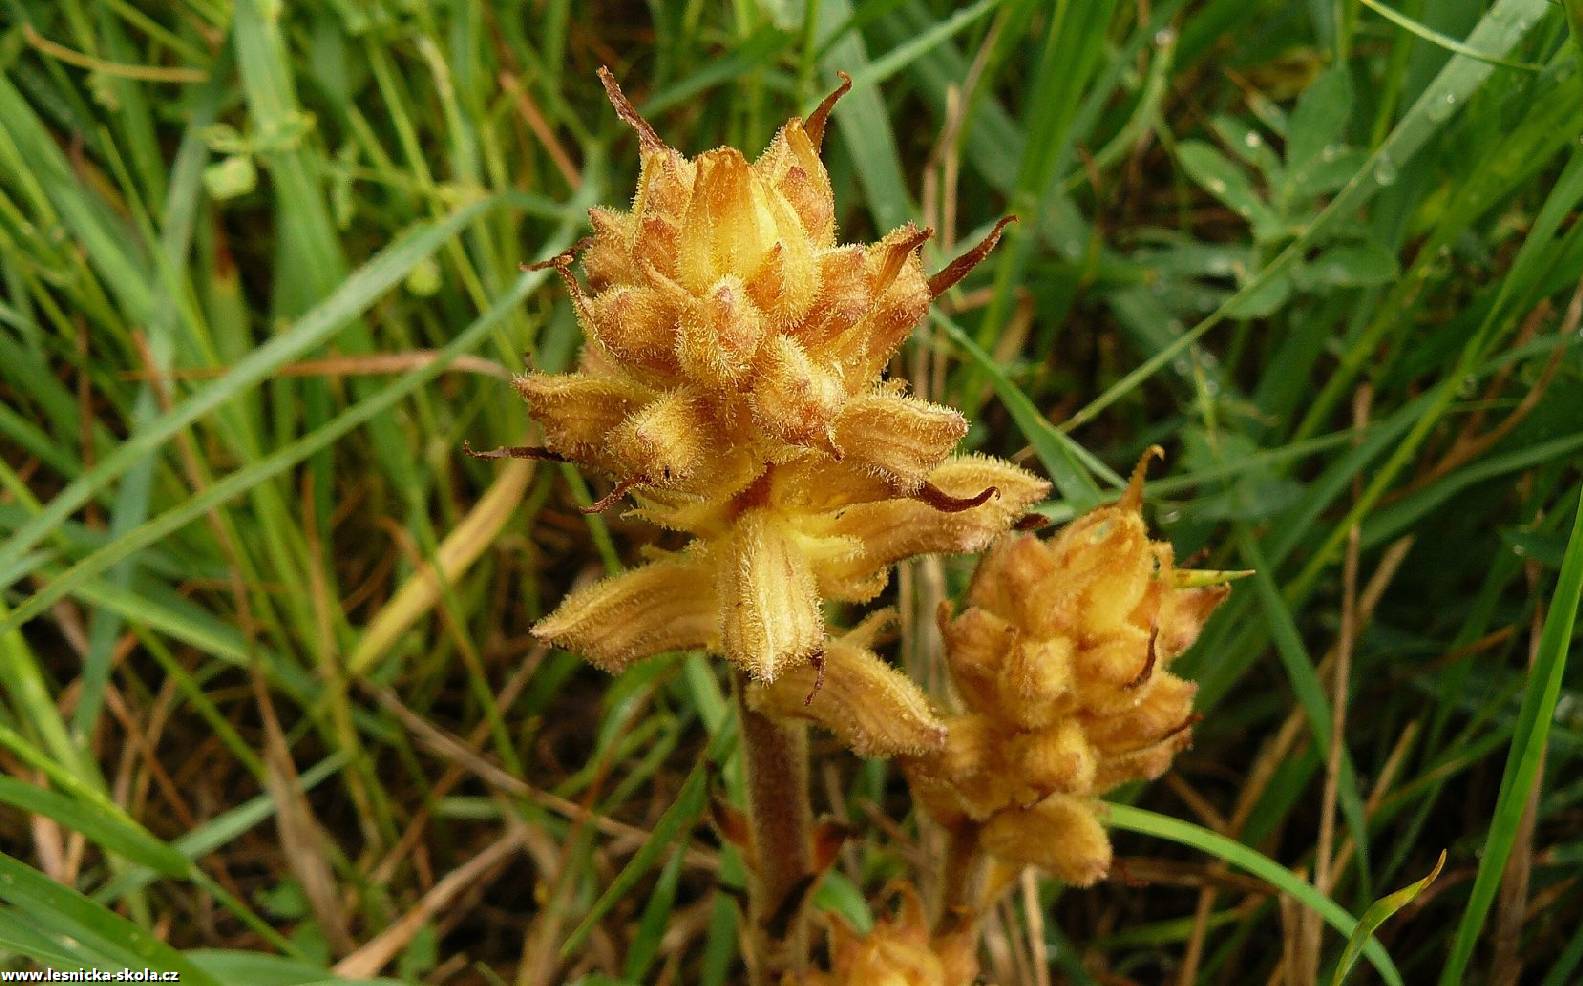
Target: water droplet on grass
(1385, 170)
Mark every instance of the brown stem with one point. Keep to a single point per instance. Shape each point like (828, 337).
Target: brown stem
(961, 876)
(776, 765)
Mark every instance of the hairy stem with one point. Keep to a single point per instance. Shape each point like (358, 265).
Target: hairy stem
(961, 876)
(776, 763)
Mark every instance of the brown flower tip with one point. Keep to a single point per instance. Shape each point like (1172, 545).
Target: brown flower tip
(1062, 656)
(647, 137)
(815, 124)
(959, 268)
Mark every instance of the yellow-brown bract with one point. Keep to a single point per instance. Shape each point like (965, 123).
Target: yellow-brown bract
(1061, 658)
(732, 384)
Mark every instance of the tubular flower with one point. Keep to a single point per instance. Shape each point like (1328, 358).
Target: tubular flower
(874, 709)
(732, 386)
(1061, 658)
(899, 951)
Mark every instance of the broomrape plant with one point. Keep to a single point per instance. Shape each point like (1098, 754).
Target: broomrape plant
(733, 385)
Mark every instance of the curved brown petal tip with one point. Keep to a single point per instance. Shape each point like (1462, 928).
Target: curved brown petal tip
(944, 502)
(817, 660)
(538, 452)
(561, 261)
(1148, 662)
(648, 139)
(1132, 497)
(1186, 724)
(815, 124)
(610, 499)
(960, 267)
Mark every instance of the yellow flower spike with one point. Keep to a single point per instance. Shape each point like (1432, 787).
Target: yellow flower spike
(977, 644)
(971, 500)
(842, 300)
(1061, 654)
(875, 710)
(733, 387)
(664, 605)
(632, 324)
(1039, 682)
(795, 398)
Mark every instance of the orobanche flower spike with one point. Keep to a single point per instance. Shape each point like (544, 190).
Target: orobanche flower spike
(732, 386)
(1061, 658)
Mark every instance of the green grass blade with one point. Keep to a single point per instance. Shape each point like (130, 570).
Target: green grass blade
(1310, 693)
(1227, 850)
(1378, 913)
(1498, 32)
(71, 913)
(355, 295)
(1060, 455)
(282, 458)
(678, 819)
(1434, 37)
(110, 829)
(1527, 751)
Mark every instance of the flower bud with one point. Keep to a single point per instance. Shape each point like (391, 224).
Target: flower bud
(899, 951)
(871, 707)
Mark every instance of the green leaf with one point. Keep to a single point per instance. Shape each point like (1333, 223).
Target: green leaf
(1498, 31)
(838, 894)
(1230, 851)
(1378, 913)
(1221, 177)
(1348, 265)
(1319, 121)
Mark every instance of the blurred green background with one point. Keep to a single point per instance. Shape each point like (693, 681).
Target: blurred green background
(259, 282)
